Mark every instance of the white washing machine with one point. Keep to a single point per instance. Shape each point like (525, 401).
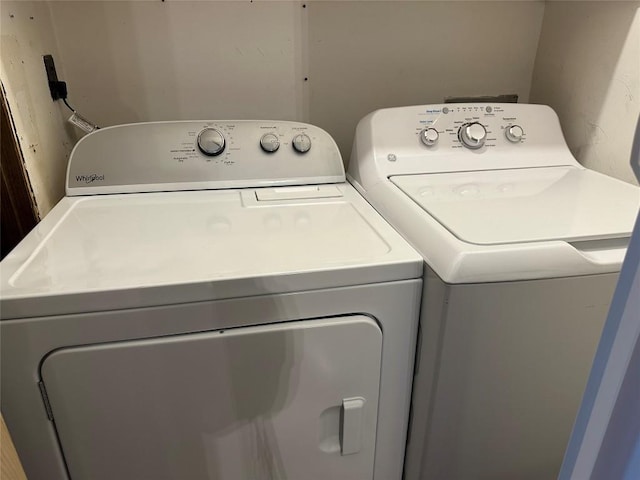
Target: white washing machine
(244, 315)
(522, 248)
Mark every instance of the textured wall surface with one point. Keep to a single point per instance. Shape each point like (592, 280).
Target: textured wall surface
(325, 62)
(137, 61)
(44, 136)
(134, 61)
(588, 69)
(369, 55)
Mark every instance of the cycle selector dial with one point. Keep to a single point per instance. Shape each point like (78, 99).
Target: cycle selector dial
(301, 143)
(211, 142)
(514, 133)
(429, 136)
(472, 135)
(269, 142)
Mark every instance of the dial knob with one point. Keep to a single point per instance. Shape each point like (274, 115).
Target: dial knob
(301, 143)
(429, 136)
(472, 135)
(269, 142)
(514, 133)
(211, 142)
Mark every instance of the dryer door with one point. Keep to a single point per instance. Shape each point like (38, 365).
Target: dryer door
(293, 400)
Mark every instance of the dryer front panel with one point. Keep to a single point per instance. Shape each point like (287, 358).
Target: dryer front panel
(294, 400)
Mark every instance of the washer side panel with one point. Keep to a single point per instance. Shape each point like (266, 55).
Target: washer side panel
(514, 361)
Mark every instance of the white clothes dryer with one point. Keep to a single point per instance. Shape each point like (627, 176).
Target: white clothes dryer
(210, 300)
(522, 249)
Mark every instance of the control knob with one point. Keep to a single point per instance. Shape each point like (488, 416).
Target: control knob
(301, 143)
(211, 142)
(429, 136)
(472, 135)
(514, 133)
(269, 142)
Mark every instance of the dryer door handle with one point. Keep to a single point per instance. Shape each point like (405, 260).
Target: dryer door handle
(351, 428)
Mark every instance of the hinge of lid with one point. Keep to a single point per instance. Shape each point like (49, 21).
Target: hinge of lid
(45, 400)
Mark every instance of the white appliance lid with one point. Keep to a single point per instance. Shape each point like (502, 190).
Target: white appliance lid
(525, 205)
(213, 244)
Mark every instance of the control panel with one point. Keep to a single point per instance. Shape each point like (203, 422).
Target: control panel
(462, 137)
(164, 156)
(468, 126)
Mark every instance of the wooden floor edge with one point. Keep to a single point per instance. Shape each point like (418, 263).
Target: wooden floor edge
(10, 466)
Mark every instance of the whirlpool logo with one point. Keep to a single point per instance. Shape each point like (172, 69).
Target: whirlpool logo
(89, 178)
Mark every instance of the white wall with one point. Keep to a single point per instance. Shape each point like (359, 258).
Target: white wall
(135, 61)
(369, 55)
(328, 63)
(45, 137)
(130, 61)
(588, 69)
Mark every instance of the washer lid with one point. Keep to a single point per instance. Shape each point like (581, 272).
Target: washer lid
(526, 205)
(123, 251)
